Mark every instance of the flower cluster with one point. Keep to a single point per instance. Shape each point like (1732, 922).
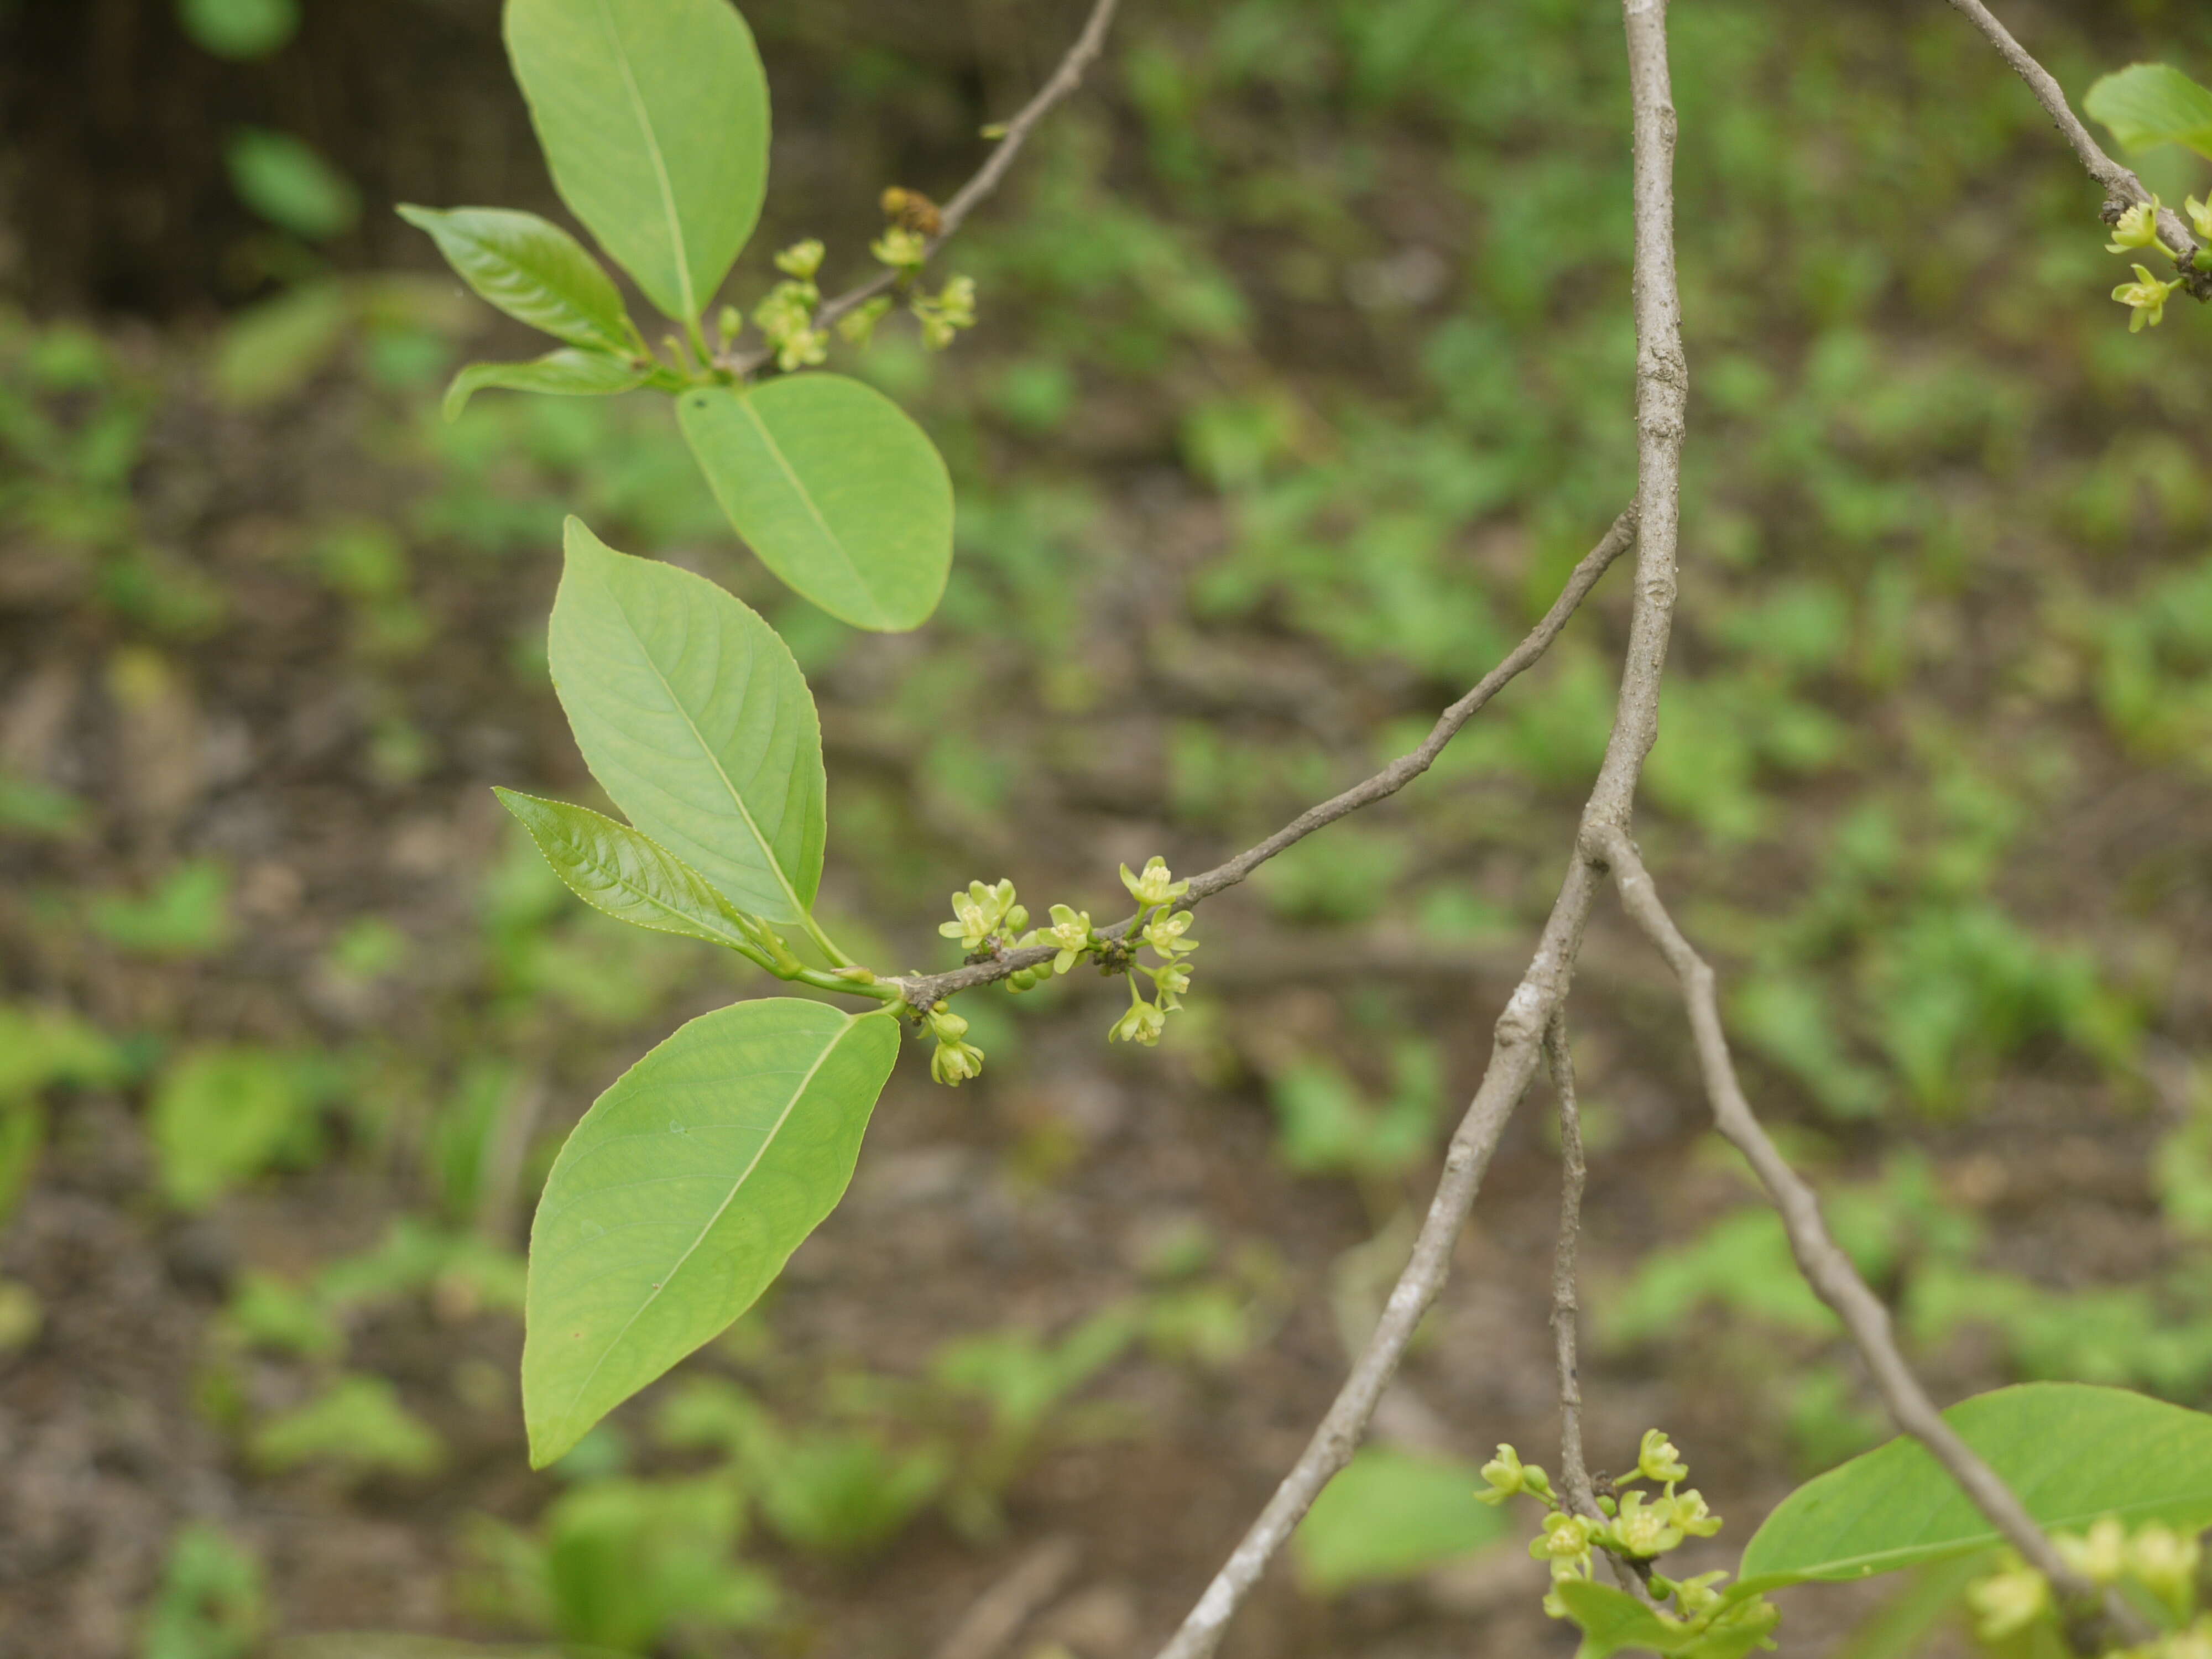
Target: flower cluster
(1164, 931)
(1634, 1526)
(2137, 227)
(955, 1061)
(786, 317)
(944, 316)
(988, 921)
(2154, 1560)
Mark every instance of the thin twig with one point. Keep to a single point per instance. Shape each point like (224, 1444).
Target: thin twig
(1566, 1303)
(1825, 1266)
(923, 989)
(2122, 187)
(1662, 394)
(1063, 83)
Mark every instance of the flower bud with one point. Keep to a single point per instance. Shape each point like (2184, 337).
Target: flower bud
(800, 260)
(1505, 1475)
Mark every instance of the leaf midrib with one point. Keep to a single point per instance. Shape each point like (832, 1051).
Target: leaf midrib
(660, 164)
(752, 826)
(729, 1198)
(813, 511)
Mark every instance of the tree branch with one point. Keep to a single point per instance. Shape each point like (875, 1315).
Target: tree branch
(1566, 1305)
(2121, 188)
(921, 990)
(1825, 1266)
(1661, 393)
(1062, 82)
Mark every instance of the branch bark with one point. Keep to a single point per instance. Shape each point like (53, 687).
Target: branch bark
(1566, 1303)
(1826, 1266)
(1662, 397)
(1057, 89)
(2123, 189)
(921, 990)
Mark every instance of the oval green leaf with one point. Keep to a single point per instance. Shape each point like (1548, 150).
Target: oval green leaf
(2149, 104)
(2069, 1452)
(631, 876)
(567, 373)
(836, 489)
(695, 720)
(681, 1195)
(533, 270)
(653, 117)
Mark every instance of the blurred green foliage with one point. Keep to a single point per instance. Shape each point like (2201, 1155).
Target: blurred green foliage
(1294, 399)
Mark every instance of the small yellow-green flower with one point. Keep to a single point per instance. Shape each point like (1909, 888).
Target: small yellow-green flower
(2136, 227)
(2145, 297)
(954, 1063)
(1165, 934)
(2200, 218)
(857, 325)
(1657, 1458)
(2163, 1562)
(900, 248)
(1155, 886)
(1644, 1529)
(2101, 1557)
(800, 260)
(1564, 1542)
(1070, 931)
(977, 914)
(1504, 1474)
(1691, 1513)
(2009, 1601)
(1142, 1023)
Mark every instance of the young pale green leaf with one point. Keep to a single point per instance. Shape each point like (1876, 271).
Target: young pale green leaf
(613, 868)
(653, 117)
(2069, 1452)
(681, 1195)
(533, 270)
(836, 488)
(695, 720)
(2150, 103)
(1612, 1620)
(567, 373)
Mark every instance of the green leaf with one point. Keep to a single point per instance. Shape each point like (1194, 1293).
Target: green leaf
(533, 270)
(681, 1195)
(2149, 104)
(566, 373)
(239, 29)
(653, 117)
(695, 719)
(288, 184)
(2069, 1452)
(1611, 1620)
(613, 868)
(836, 488)
(1391, 1514)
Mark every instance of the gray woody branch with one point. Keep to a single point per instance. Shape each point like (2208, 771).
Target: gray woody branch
(2123, 189)
(1827, 1269)
(921, 990)
(1661, 393)
(1064, 81)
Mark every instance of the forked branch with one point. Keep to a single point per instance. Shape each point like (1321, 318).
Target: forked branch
(1661, 393)
(1823, 1264)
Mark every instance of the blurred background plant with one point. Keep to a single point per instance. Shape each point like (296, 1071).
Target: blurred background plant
(1302, 378)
